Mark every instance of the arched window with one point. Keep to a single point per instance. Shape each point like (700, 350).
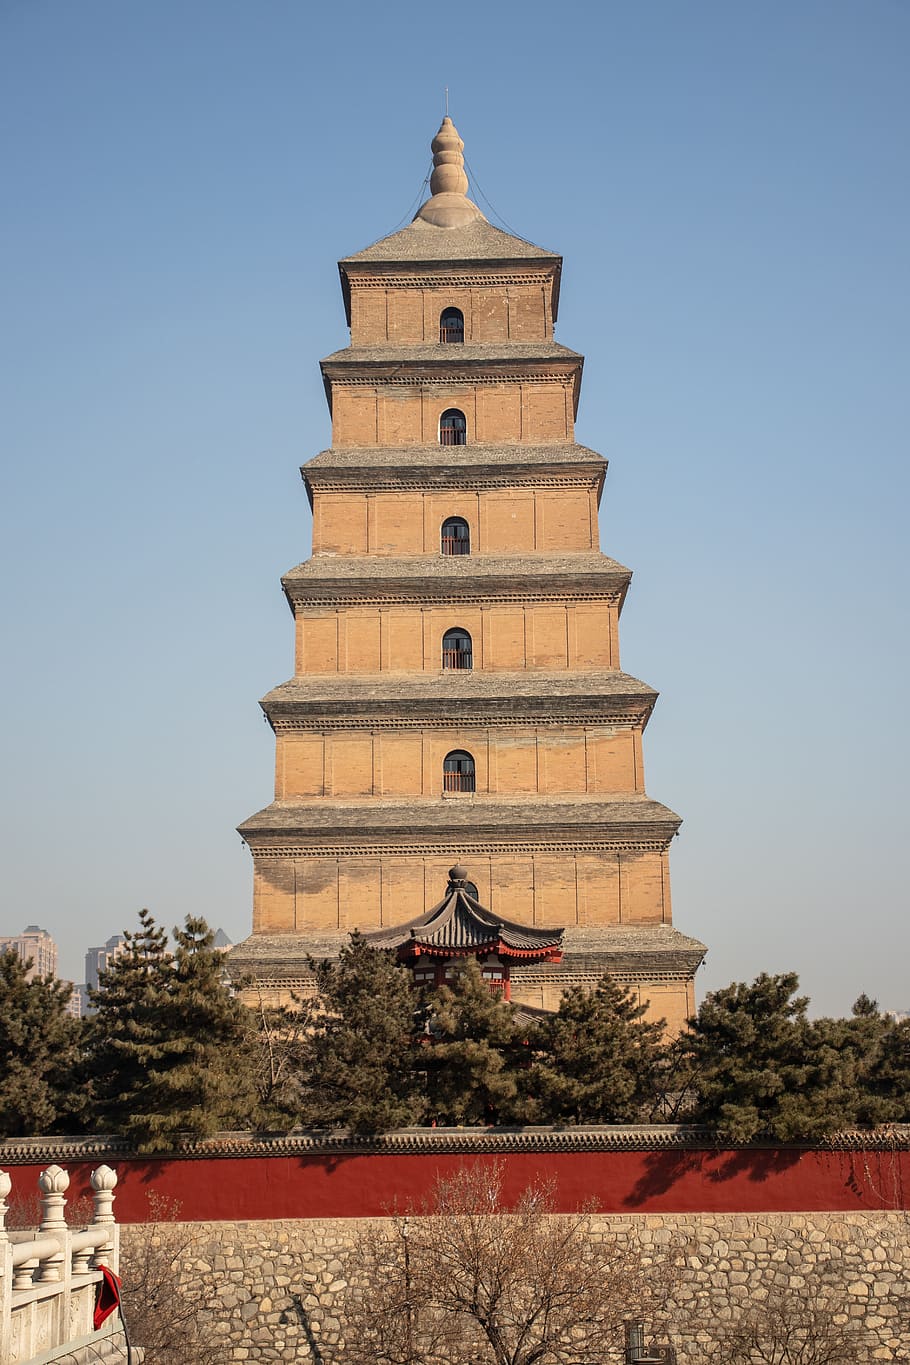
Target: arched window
(451, 325)
(453, 429)
(471, 890)
(458, 772)
(456, 536)
(456, 649)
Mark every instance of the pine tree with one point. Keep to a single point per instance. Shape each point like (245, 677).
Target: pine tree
(892, 1076)
(38, 1051)
(361, 1070)
(762, 1069)
(476, 1055)
(598, 1061)
(880, 1052)
(165, 1052)
(124, 1034)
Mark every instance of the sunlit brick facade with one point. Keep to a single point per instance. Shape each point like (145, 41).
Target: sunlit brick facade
(458, 695)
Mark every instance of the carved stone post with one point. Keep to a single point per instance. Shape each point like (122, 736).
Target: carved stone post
(53, 1183)
(6, 1272)
(104, 1181)
(6, 1185)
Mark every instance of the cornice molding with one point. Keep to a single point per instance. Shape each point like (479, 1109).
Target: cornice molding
(419, 374)
(286, 718)
(625, 1138)
(458, 844)
(346, 592)
(444, 279)
(565, 972)
(375, 478)
(521, 976)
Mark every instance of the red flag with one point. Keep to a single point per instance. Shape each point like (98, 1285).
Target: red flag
(107, 1296)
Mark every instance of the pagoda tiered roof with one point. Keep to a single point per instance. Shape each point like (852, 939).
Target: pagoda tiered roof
(433, 463)
(606, 695)
(626, 817)
(424, 243)
(583, 575)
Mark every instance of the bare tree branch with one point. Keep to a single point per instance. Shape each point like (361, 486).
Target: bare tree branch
(464, 1279)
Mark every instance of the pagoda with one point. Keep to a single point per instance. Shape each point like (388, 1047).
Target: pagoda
(457, 696)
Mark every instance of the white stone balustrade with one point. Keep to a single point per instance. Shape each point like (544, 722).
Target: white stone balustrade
(48, 1274)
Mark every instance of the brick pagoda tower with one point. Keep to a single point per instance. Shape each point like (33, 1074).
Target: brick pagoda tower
(457, 696)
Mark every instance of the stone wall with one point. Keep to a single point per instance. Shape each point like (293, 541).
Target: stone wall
(278, 1287)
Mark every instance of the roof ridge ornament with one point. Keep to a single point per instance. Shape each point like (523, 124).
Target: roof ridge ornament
(448, 205)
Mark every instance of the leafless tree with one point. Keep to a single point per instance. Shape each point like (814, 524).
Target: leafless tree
(805, 1327)
(463, 1279)
(279, 1041)
(161, 1305)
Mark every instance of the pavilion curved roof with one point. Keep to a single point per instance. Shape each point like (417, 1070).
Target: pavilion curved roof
(459, 926)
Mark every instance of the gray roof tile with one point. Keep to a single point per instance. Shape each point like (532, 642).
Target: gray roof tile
(449, 458)
(475, 241)
(452, 355)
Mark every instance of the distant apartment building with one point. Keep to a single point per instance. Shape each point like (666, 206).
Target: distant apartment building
(99, 959)
(36, 946)
(78, 1005)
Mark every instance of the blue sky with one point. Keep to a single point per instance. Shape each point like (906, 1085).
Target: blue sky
(728, 186)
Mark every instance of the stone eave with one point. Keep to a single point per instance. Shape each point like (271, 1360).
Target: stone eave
(420, 249)
(430, 456)
(631, 952)
(376, 469)
(635, 950)
(414, 366)
(450, 696)
(449, 355)
(584, 576)
(637, 966)
(461, 823)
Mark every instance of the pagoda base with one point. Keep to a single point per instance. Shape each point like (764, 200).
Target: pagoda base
(657, 963)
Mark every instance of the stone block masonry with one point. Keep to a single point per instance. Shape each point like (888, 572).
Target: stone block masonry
(743, 1225)
(279, 1287)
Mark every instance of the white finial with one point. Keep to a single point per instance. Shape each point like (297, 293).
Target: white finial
(447, 101)
(53, 1183)
(104, 1181)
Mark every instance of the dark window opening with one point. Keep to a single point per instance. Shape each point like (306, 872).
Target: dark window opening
(471, 890)
(458, 772)
(451, 325)
(456, 536)
(457, 651)
(453, 428)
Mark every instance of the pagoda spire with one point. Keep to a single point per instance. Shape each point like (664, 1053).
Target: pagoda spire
(448, 205)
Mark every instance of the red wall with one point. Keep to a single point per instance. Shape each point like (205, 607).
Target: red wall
(340, 1186)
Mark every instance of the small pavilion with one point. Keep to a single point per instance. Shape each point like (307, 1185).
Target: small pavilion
(459, 927)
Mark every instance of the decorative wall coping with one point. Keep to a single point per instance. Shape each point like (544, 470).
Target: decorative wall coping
(631, 1137)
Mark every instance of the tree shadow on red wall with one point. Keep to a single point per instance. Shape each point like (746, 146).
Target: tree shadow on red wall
(665, 1171)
